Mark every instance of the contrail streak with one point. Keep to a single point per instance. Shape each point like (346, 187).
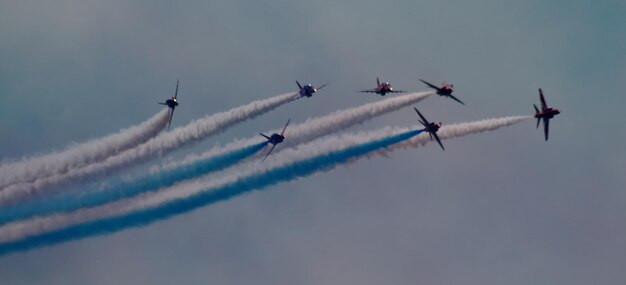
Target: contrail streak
(308, 159)
(67, 202)
(311, 129)
(458, 130)
(183, 136)
(257, 180)
(75, 156)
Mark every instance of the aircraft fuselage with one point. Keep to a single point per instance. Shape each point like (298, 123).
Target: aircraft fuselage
(276, 139)
(432, 127)
(172, 103)
(444, 91)
(384, 88)
(307, 90)
(548, 113)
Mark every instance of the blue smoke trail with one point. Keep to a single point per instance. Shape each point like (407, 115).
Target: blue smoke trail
(68, 202)
(209, 196)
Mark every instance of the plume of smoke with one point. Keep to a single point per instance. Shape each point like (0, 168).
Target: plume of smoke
(229, 188)
(311, 129)
(30, 169)
(183, 136)
(66, 202)
(308, 159)
(458, 130)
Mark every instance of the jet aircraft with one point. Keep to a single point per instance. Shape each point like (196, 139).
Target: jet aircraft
(275, 139)
(546, 114)
(382, 88)
(430, 127)
(445, 90)
(308, 90)
(172, 103)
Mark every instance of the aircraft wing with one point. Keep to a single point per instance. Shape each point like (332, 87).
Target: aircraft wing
(423, 121)
(438, 140)
(171, 116)
(543, 100)
(162, 103)
(282, 133)
(268, 153)
(369, 91)
(546, 127)
(299, 86)
(430, 84)
(396, 91)
(318, 88)
(176, 93)
(456, 99)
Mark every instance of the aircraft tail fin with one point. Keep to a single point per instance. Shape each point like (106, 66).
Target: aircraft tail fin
(264, 136)
(538, 121)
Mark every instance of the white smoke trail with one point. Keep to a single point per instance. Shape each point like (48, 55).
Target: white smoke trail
(457, 130)
(78, 155)
(194, 131)
(186, 190)
(314, 128)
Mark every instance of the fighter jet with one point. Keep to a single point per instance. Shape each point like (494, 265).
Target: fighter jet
(382, 88)
(308, 90)
(445, 90)
(172, 103)
(546, 114)
(429, 127)
(275, 139)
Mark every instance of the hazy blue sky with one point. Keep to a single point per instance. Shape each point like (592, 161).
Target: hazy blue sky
(496, 208)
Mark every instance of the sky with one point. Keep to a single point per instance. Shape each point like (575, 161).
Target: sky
(496, 208)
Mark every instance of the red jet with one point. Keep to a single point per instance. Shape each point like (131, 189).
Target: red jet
(275, 139)
(382, 88)
(445, 90)
(431, 128)
(308, 90)
(172, 103)
(546, 114)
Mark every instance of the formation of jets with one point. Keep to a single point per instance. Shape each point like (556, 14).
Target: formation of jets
(382, 88)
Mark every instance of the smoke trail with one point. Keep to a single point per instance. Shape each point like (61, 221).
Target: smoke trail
(31, 169)
(49, 230)
(286, 172)
(320, 126)
(194, 131)
(311, 129)
(66, 202)
(458, 130)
